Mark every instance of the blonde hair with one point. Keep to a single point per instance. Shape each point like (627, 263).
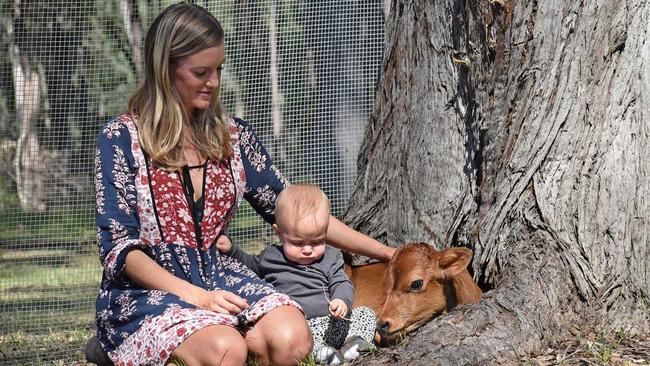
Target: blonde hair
(300, 201)
(178, 31)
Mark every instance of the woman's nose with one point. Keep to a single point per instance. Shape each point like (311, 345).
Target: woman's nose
(214, 80)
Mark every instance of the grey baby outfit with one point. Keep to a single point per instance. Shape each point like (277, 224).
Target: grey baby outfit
(313, 286)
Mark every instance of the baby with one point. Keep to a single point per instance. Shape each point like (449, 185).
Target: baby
(311, 272)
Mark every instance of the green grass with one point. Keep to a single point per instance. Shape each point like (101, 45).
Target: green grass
(46, 304)
(309, 361)
(50, 274)
(60, 223)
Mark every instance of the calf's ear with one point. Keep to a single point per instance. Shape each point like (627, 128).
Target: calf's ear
(453, 261)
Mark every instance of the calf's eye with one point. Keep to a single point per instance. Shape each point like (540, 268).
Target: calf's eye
(416, 285)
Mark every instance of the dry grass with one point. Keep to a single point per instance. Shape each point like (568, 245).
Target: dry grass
(595, 350)
(615, 350)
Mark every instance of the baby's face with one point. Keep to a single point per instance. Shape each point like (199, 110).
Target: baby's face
(304, 241)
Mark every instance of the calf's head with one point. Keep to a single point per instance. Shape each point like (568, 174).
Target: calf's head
(423, 283)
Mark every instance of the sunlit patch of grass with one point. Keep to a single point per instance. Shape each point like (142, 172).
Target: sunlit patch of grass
(40, 348)
(177, 361)
(249, 231)
(71, 223)
(46, 305)
(612, 348)
(23, 271)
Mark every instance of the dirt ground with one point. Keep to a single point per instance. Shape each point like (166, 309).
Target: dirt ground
(584, 351)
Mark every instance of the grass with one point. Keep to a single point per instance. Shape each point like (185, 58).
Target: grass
(49, 277)
(47, 304)
(250, 362)
(309, 361)
(249, 231)
(605, 348)
(72, 223)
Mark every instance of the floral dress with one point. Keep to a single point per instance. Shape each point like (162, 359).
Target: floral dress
(141, 206)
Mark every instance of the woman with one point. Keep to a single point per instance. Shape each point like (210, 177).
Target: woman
(170, 174)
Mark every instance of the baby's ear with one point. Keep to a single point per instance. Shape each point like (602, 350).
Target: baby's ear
(277, 230)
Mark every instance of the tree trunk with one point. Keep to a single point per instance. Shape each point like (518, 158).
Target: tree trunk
(27, 94)
(133, 30)
(277, 100)
(249, 42)
(518, 129)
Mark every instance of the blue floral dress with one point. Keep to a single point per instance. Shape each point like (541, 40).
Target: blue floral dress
(141, 206)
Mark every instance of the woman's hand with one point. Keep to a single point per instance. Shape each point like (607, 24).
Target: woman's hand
(220, 301)
(338, 309)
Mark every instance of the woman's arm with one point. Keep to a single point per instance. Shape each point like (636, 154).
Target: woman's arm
(144, 271)
(147, 273)
(350, 240)
(264, 182)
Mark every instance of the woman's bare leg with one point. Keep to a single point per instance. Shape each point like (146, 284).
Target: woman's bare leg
(280, 337)
(214, 345)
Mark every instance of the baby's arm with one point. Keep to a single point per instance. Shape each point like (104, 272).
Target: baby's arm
(225, 247)
(340, 286)
(224, 244)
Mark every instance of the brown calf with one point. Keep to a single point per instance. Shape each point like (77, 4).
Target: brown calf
(418, 284)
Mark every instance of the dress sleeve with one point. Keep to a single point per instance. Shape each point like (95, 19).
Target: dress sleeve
(263, 179)
(340, 285)
(116, 216)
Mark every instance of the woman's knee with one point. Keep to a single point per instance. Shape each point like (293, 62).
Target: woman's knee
(215, 345)
(281, 337)
(291, 343)
(226, 351)
(295, 335)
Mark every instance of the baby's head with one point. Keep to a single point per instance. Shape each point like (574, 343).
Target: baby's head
(302, 214)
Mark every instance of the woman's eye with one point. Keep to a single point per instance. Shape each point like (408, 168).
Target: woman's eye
(199, 73)
(416, 285)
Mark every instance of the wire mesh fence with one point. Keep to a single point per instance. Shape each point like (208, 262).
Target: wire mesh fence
(302, 72)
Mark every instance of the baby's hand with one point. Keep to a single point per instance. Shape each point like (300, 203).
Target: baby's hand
(223, 244)
(338, 309)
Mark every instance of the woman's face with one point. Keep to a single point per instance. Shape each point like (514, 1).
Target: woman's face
(198, 76)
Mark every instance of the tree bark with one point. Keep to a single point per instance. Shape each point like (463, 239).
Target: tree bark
(133, 30)
(277, 99)
(249, 42)
(517, 129)
(27, 95)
